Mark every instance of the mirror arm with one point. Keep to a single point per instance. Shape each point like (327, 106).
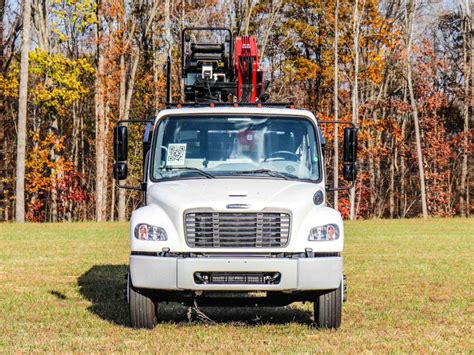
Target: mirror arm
(349, 123)
(142, 187)
(342, 188)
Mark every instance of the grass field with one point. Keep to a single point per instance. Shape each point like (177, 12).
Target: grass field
(410, 288)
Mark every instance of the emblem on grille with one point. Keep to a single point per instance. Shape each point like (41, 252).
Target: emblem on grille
(240, 206)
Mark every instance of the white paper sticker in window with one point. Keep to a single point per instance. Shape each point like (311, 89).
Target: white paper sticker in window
(176, 154)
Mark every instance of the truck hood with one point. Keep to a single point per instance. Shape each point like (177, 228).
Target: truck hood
(167, 202)
(230, 194)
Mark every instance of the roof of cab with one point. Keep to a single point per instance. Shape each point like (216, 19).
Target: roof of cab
(230, 110)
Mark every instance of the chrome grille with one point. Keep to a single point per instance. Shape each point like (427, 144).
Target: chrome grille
(237, 230)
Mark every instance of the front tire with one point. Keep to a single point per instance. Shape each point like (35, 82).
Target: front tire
(142, 308)
(328, 309)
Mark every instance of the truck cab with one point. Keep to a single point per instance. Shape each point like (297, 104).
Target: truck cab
(235, 214)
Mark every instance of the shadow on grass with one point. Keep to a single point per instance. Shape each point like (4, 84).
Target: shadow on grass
(103, 286)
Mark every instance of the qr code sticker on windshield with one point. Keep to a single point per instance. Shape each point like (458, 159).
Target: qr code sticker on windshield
(176, 154)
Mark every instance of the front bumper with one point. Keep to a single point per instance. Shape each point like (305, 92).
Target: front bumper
(174, 273)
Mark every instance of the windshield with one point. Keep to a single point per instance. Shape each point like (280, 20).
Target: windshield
(223, 146)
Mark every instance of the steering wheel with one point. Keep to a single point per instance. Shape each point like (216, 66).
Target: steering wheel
(281, 154)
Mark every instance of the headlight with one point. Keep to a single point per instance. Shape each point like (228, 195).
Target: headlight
(144, 231)
(327, 232)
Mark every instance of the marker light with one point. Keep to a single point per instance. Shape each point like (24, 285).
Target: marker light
(324, 233)
(144, 231)
(318, 197)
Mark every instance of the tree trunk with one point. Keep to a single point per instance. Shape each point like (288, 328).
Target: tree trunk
(112, 203)
(3, 152)
(82, 213)
(100, 130)
(54, 176)
(2, 42)
(419, 154)
(355, 94)
(471, 22)
(123, 80)
(157, 68)
(336, 109)
(392, 180)
(40, 20)
(100, 147)
(463, 207)
(168, 36)
(105, 161)
(403, 169)
(22, 114)
(372, 185)
(468, 68)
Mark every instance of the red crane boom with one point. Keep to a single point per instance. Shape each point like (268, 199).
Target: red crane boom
(246, 66)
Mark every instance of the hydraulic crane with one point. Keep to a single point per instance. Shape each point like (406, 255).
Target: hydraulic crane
(220, 71)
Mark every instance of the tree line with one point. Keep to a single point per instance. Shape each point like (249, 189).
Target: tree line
(402, 70)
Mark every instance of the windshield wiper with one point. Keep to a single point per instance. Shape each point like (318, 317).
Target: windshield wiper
(199, 171)
(268, 172)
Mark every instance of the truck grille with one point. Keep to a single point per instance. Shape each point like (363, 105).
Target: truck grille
(237, 230)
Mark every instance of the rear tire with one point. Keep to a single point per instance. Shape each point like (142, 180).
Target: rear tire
(142, 308)
(328, 309)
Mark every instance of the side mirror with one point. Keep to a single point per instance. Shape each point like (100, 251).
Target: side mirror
(350, 145)
(120, 171)
(350, 154)
(120, 143)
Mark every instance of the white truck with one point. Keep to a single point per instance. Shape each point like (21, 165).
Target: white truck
(235, 211)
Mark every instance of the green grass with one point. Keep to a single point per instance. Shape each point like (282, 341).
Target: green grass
(410, 288)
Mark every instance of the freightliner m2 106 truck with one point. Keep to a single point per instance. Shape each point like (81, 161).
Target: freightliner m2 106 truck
(235, 210)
